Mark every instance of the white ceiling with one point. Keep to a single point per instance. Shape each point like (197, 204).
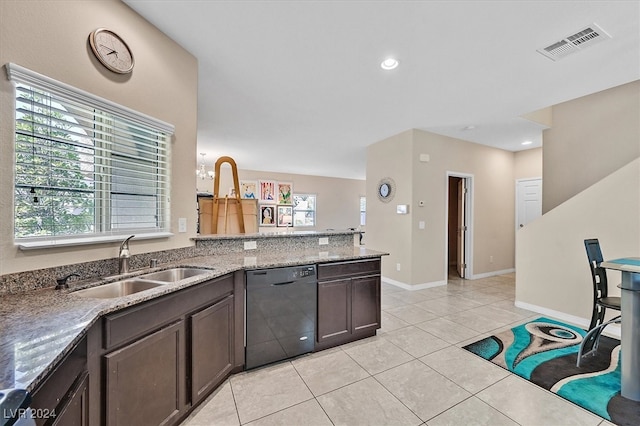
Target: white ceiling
(296, 86)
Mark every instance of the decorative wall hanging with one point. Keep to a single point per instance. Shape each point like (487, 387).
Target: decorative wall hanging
(111, 50)
(267, 215)
(267, 191)
(386, 189)
(285, 192)
(285, 216)
(249, 189)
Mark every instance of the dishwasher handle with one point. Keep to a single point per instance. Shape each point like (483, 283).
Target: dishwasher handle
(283, 283)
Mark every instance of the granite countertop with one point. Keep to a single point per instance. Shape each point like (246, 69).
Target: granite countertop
(38, 328)
(259, 235)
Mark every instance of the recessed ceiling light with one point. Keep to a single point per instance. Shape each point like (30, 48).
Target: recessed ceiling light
(469, 127)
(527, 143)
(389, 64)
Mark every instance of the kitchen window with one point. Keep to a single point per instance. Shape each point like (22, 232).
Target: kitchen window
(86, 170)
(304, 210)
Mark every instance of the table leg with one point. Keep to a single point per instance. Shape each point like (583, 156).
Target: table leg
(630, 342)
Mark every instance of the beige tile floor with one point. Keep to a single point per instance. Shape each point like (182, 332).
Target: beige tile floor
(413, 372)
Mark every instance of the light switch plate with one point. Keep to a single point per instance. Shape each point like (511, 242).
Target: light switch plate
(182, 224)
(250, 245)
(402, 209)
(323, 241)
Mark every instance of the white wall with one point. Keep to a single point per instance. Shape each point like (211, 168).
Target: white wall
(337, 200)
(50, 37)
(591, 137)
(528, 164)
(387, 231)
(422, 252)
(552, 271)
(591, 181)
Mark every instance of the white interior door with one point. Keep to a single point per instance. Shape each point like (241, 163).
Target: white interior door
(462, 228)
(528, 201)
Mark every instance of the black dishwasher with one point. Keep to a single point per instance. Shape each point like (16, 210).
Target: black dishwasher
(281, 314)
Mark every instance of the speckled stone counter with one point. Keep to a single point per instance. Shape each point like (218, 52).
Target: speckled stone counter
(39, 327)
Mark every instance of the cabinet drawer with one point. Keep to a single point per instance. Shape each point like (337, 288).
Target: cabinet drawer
(339, 269)
(139, 320)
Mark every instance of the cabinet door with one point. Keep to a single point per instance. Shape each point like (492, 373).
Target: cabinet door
(145, 380)
(75, 412)
(63, 387)
(334, 309)
(365, 303)
(212, 347)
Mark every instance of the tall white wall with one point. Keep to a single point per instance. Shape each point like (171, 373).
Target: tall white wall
(50, 37)
(552, 272)
(386, 230)
(590, 138)
(422, 253)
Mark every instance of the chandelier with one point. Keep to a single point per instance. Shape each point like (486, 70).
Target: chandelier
(202, 173)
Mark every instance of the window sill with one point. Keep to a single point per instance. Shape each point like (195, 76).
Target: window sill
(83, 241)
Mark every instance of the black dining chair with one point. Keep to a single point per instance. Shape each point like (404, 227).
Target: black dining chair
(601, 300)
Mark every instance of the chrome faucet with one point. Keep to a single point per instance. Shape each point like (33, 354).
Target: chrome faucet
(123, 256)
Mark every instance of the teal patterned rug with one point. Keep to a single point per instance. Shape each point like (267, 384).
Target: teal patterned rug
(544, 352)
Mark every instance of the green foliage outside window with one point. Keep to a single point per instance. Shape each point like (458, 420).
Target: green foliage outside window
(54, 191)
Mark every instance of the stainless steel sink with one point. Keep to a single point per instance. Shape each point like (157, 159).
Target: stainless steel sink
(118, 289)
(175, 274)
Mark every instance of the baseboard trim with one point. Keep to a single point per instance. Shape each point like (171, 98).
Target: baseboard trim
(415, 287)
(491, 274)
(612, 330)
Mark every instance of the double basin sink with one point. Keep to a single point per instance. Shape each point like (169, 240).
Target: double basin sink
(140, 283)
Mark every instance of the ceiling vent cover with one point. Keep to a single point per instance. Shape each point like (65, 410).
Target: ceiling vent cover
(581, 39)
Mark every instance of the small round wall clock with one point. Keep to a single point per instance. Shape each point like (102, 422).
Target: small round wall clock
(386, 189)
(111, 50)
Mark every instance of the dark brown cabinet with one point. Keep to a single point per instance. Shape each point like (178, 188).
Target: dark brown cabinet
(160, 358)
(348, 302)
(365, 303)
(76, 411)
(62, 398)
(334, 309)
(212, 347)
(153, 362)
(145, 379)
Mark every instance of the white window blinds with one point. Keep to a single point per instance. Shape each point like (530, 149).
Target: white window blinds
(85, 166)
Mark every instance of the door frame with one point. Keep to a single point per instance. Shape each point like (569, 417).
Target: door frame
(468, 218)
(517, 194)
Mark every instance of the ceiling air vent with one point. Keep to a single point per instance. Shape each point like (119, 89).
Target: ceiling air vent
(581, 39)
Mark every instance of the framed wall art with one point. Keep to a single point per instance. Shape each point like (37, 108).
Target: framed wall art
(267, 215)
(285, 216)
(285, 192)
(267, 191)
(249, 189)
